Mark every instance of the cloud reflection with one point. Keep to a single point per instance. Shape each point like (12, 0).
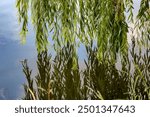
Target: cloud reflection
(2, 94)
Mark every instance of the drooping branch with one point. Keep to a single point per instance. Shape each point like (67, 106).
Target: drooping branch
(84, 20)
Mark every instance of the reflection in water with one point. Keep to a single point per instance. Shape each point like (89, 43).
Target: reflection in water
(2, 95)
(78, 81)
(12, 52)
(57, 79)
(61, 77)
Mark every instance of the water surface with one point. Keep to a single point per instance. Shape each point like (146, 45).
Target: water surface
(12, 51)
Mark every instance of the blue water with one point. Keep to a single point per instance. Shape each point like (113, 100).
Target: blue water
(12, 52)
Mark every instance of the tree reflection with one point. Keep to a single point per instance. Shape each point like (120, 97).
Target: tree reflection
(62, 78)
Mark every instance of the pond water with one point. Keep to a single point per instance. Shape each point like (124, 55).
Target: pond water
(12, 52)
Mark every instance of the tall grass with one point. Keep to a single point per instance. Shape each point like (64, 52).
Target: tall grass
(59, 79)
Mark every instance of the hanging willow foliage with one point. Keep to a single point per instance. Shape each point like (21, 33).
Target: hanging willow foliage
(143, 23)
(85, 20)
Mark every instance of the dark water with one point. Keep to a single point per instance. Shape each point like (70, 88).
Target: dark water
(12, 51)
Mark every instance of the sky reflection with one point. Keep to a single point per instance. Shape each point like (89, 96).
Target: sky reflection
(12, 52)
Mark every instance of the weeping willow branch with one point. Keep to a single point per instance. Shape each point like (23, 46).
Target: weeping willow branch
(23, 6)
(143, 23)
(70, 20)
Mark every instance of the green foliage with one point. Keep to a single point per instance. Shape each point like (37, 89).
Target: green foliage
(104, 77)
(23, 6)
(139, 81)
(101, 22)
(67, 82)
(61, 82)
(84, 20)
(97, 80)
(29, 90)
